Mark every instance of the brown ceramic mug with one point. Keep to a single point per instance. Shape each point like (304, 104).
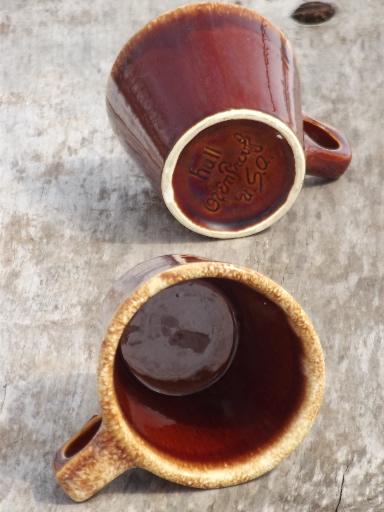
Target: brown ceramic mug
(207, 99)
(234, 430)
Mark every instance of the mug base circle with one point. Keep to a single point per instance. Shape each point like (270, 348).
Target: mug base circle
(221, 180)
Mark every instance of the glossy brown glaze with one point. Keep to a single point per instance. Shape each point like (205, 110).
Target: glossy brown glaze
(182, 340)
(194, 62)
(244, 411)
(234, 174)
(231, 432)
(327, 151)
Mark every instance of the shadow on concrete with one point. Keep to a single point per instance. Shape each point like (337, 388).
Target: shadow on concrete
(107, 199)
(43, 414)
(315, 181)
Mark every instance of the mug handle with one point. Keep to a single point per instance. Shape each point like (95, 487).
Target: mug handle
(89, 461)
(327, 151)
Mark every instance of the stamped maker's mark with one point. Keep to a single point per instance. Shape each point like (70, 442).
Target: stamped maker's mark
(241, 179)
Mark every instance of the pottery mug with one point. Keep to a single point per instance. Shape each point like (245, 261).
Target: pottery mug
(206, 98)
(235, 429)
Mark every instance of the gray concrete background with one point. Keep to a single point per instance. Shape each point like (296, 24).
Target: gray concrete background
(76, 213)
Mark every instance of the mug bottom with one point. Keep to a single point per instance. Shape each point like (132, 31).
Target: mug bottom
(233, 174)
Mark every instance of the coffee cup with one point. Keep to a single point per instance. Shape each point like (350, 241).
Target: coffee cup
(233, 414)
(206, 99)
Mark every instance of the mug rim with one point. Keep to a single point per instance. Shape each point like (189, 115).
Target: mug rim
(169, 167)
(248, 467)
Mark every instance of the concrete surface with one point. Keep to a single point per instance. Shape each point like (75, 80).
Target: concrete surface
(76, 213)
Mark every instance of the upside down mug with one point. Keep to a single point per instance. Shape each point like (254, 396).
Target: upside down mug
(206, 98)
(232, 429)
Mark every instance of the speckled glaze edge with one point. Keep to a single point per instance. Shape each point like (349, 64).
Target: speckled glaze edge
(141, 453)
(249, 114)
(98, 463)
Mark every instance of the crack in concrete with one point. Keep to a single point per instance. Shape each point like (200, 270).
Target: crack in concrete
(342, 487)
(3, 400)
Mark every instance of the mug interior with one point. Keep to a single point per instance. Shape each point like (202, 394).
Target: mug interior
(233, 174)
(243, 413)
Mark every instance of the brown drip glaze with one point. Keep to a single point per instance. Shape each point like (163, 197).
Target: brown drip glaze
(237, 429)
(204, 60)
(192, 63)
(327, 151)
(243, 412)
